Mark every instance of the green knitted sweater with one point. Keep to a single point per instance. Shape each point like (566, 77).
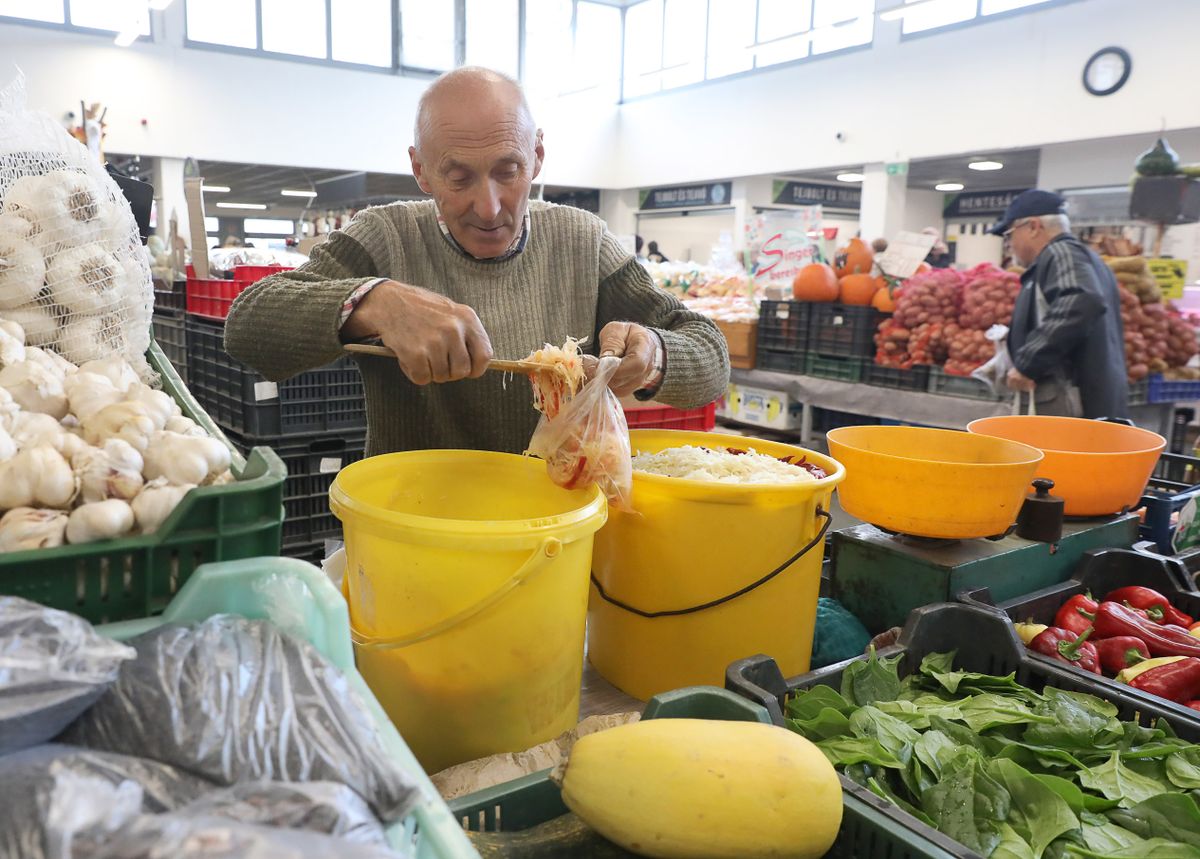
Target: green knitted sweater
(571, 279)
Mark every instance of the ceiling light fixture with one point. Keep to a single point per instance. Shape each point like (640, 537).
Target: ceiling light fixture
(241, 205)
(986, 165)
(287, 192)
(849, 177)
(215, 189)
(948, 186)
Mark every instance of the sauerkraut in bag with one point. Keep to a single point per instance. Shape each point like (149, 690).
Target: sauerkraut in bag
(73, 273)
(582, 434)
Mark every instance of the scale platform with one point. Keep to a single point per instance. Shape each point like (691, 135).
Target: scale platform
(881, 577)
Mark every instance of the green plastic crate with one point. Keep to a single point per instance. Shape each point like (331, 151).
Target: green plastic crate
(136, 577)
(867, 832)
(299, 599)
(947, 384)
(831, 367)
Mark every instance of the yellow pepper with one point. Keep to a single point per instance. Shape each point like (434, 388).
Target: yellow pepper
(1134, 670)
(1029, 631)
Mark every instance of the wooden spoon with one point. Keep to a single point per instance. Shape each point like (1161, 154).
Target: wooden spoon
(523, 367)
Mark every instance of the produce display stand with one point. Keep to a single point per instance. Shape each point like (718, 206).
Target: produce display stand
(986, 642)
(917, 407)
(137, 576)
(300, 600)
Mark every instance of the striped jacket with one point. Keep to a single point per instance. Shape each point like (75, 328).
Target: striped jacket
(1076, 333)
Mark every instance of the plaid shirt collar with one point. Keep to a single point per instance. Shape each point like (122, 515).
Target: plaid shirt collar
(517, 246)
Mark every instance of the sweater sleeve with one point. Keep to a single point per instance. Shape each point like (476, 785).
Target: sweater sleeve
(289, 322)
(1074, 302)
(697, 358)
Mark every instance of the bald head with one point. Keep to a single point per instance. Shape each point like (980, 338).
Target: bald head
(467, 91)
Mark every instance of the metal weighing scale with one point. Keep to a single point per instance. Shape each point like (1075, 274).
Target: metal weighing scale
(880, 577)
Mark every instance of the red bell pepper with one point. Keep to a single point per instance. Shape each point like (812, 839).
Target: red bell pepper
(1178, 681)
(1066, 646)
(1157, 606)
(1195, 705)
(1076, 614)
(1122, 651)
(1114, 619)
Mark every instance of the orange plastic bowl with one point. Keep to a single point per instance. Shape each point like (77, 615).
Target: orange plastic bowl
(1098, 468)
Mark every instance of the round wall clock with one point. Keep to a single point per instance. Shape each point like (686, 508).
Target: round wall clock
(1107, 70)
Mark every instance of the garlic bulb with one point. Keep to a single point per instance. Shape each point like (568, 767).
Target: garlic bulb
(117, 370)
(83, 279)
(14, 225)
(23, 200)
(184, 426)
(69, 208)
(35, 388)
(87, 338)
(36, 476)
(88, 393)
(25, 528)
(222, 479)
(100, 520)
(8, 409)
(51, 360)
(30, 429)
(155, 503)
(184, 459)
(113, 471)
(39, 325)
(22, 270)
(8, 446)
(12, 350)
(129, 421)
(158, 403)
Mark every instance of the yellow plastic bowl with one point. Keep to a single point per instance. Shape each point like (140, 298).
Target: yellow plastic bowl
(1098, 468)
(930, 482)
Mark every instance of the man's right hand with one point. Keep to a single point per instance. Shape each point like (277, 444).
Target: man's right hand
(434, 338)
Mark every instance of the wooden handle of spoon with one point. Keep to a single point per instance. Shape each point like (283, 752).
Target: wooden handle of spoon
(495, 364)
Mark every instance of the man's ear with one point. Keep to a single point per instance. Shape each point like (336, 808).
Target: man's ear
(539, 154)
(418, 170)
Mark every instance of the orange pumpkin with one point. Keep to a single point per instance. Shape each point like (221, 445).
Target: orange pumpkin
(857, 289)
(883, 300)
(922, 268)
(855, 258)
(815, 282)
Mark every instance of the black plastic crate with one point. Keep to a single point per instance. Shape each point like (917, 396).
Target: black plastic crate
(912, 379)
(824, 420)
(949, 385)
(847, 330)
(783, 325)
(1175, 482)
(784, 362)
(324, 400)
(171, 335)
(1139, 392)
(170, 298)
(985, 642)
(833, 367)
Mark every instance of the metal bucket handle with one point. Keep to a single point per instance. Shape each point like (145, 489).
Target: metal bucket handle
(675, 612)
(549, 549)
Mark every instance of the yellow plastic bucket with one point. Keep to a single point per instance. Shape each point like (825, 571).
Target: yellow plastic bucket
(467, 579)
(691, 557)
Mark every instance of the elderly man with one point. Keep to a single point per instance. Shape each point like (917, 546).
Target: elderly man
(1066, 339)
(479, 270)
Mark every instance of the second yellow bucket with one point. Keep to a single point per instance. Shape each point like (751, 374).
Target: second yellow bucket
(689, 559)
(467, 577)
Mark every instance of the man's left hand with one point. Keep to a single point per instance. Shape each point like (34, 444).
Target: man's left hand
(635, 346)
(1018, 381)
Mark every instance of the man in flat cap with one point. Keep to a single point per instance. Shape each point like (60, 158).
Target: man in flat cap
(1066, 339)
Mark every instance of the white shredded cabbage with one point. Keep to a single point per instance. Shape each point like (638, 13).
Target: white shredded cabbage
(719, 466)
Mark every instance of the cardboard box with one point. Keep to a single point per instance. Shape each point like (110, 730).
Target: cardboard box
(742, 338)
(761, 407)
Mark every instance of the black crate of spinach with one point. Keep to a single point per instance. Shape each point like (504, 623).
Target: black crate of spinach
(966, 745)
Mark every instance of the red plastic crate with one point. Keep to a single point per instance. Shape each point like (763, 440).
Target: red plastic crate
(212, 298)
(666, 417)
(248, 274)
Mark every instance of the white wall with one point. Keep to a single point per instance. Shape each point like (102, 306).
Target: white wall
(1095, 163)
(923, 209)
(230, 107)
(688, 237)
(1007, 83)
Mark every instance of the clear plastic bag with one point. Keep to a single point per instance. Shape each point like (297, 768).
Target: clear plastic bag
(50, 792)
(588, 440)
(238, 700)
(995, 371)
(53, 666)
(73, 274)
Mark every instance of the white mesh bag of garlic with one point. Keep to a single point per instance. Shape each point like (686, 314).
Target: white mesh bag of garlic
(73, 272)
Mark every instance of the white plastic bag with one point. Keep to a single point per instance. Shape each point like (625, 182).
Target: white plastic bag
(588, 440)
(995, 371)
(71, 258)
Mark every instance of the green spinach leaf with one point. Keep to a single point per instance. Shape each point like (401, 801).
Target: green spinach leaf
(1116, 781)
(936, 750)
(1076, 721)
(843, 751)
(809, 703)
(1183, 768)
(988, 710)
(1167, 815)
(871, 679)
(1038, 814)
(1012, 845)
(1079, 801)
(895, 736)
(880, 789)
(825, 725)
(967, 804)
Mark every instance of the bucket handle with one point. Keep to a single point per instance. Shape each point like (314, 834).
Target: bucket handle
(550, 549)
(675, 612)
